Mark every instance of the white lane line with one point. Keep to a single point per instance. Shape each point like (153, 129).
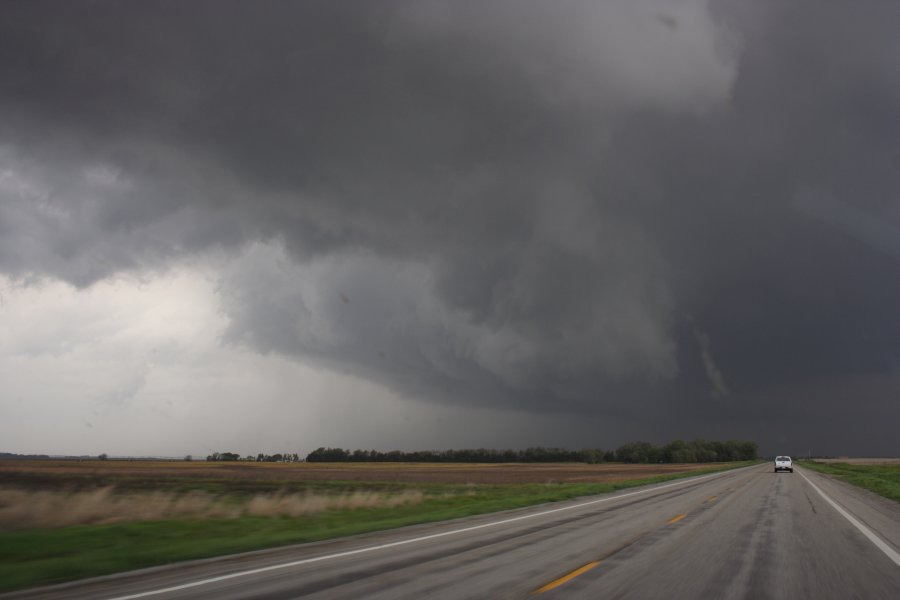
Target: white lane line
(307, 561)
(891, 553)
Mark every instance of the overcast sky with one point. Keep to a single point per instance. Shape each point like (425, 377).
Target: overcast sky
(272, 226)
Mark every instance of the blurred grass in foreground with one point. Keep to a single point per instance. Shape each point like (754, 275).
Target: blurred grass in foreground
(883, 479)
(39, 557)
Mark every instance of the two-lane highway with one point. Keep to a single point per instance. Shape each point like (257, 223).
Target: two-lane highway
(748, 533)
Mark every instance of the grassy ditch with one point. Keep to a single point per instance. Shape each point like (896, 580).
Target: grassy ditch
(36, 556)
(883, 479)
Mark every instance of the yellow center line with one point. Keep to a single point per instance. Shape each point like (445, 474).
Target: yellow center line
(712, 499)
(558, 582)
(676, 519)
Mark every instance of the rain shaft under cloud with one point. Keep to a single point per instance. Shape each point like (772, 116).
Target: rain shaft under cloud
(668, 213)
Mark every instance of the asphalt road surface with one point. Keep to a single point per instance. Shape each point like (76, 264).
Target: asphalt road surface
(748, 533)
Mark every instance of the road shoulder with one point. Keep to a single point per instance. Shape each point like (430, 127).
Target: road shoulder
(880, 515)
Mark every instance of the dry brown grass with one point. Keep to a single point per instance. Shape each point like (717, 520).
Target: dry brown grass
(23, 509)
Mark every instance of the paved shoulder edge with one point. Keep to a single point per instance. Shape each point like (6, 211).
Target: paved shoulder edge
(873, 537)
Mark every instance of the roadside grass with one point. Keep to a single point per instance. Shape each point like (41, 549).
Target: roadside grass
(45, 556)
(43, 509)
(883, 479)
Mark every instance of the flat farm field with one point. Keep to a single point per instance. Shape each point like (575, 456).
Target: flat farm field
(68, 519)
(40, 473)
(859, 461)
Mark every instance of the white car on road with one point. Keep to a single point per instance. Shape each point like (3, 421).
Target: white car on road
(784, 463)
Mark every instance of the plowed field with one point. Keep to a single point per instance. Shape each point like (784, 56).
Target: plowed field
(37, 471)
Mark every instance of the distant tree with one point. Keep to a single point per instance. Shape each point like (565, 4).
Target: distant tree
(592, 456)
(329, 455)
(223, 456)
(188, 458)
(635, 452)
(103, 456)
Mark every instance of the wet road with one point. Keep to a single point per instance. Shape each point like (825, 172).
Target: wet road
(748, 533)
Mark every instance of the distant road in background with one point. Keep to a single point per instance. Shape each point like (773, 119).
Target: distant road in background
(748, 533)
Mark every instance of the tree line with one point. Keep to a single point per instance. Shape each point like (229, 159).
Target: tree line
(234, 456)
(678, 451)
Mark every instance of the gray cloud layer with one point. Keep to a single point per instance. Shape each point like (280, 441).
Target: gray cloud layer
(671, 212)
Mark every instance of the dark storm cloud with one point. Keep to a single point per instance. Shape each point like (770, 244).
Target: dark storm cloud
(630, 208)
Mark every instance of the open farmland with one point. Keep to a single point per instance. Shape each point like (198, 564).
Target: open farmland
(127, 472)
(859, 461)
(65, 519)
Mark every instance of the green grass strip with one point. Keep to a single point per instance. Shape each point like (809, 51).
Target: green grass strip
(40, 557)
(883, 479)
